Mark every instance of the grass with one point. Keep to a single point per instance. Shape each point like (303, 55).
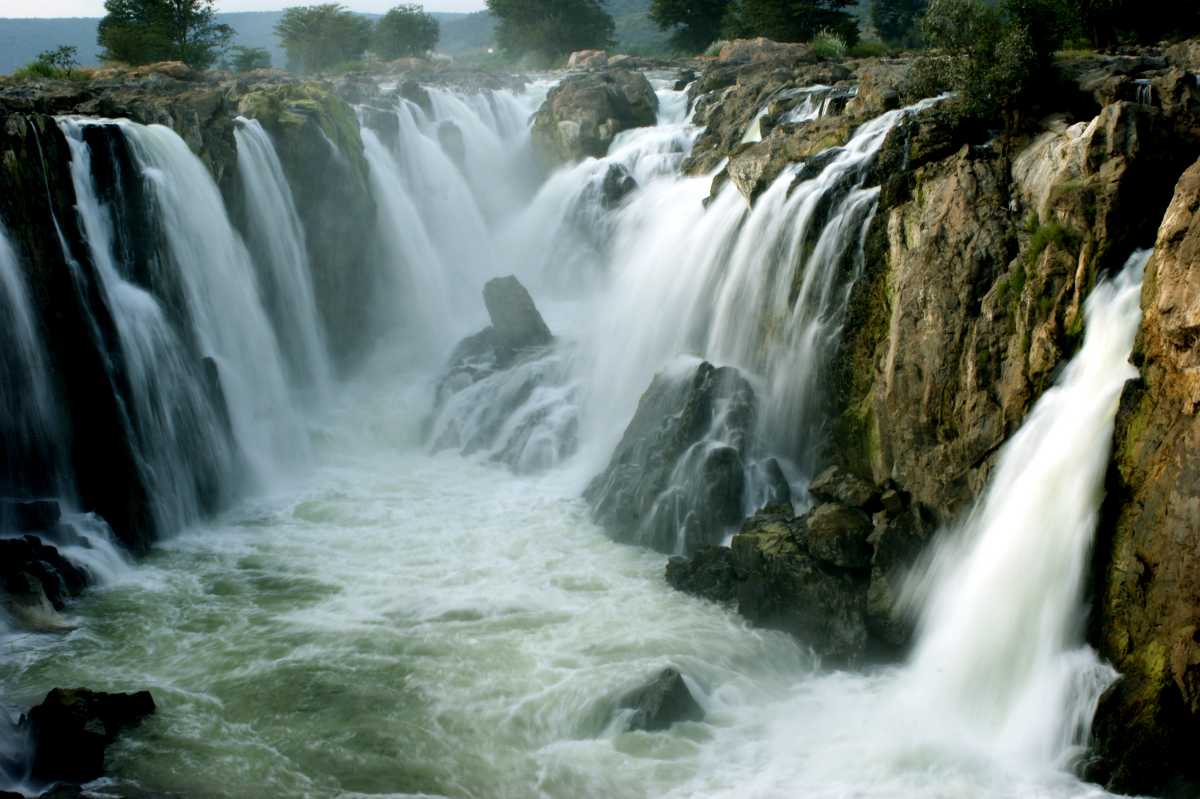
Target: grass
(828, 46)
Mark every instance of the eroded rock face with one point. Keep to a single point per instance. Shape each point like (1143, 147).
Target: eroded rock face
(71, 729)
(584, 113)
(1148, 602)
(677, 479)
(661, 702)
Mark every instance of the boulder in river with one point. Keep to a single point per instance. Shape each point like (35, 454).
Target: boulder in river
(582, 115)
(661, 702)
(37, 580)
(71, 729)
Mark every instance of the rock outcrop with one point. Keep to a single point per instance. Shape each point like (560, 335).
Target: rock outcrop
(71, 729)
(37, 581)
(661, 702)
(583, 114)
(1148, 602)
(677, 480)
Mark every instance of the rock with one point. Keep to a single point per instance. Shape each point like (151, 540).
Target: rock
(30, 570)
(415, 93)
(771, 483)
(450, 136)
(761, 49)
(709, 573)
(837, 535)
(837, 485)
(515, 319)
(1147, 623)
(72, 728)
(685, 77)
(899, 538)
(663, 701)
(618, 184)
(584, 113)
(670, 485)
(29, 516)
(587, 59)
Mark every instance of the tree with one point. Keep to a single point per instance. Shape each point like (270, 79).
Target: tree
(248, 59)
(1107, 23)
(791, 20)
(57, 63)
(696, 23)
(404, 31)
(896, 20)
(321, 37)
(551, 28)
(144, 31)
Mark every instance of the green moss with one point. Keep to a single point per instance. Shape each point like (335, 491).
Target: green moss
(1054, 234)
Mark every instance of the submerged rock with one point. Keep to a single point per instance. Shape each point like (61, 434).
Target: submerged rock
(71, 729)
(661, 702)
(582, 115)
(516, 322)
(677, 480)
(37, 580)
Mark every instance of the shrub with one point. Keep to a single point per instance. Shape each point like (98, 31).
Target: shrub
(59, 63)
(828, 46)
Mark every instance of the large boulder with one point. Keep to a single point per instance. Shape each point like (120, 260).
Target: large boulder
(582, 115)
(677, 480)
(661, 702)
(1147, 617)
(515, 319)
(71, 729)
(587, 59)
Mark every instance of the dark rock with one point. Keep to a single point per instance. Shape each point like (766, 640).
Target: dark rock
(660, 703)
(684, 77)
(450, 136)
(677, 479)
(771, 484)
(385, 123)
(618, 184)
(836, 485)
(708, 574)
(584, 113)
(838, 535)
(899, 540)
(72, 728)
(414, 92)
(30, 570)
(29, 516)
(515, 319)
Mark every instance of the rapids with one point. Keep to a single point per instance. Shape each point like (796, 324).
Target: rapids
(369, 618)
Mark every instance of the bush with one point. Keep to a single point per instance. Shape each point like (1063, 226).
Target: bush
(790, 20)
(871, 48)
(828, 46)
(248, 59)
(59, 63)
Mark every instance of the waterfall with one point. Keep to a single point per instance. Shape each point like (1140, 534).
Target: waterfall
(222, 297)
(30, 429)
(1000, 655)
(178, 434)
(277, 237)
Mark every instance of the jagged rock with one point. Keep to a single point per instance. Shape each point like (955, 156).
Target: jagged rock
(837, 485)
(72, 728)
(684, 77)
(663, 701)
(587, 59)
(676, 480)
(837, 535)
(709, 573)
(415, 93)
(515, 319)
(582, 115)
(618, 184)
(31, 570)
(902, 532)
(760, 49)
(1147, 623)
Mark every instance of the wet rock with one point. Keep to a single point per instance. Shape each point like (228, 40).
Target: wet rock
(515, 319)
(583, 114)
(899, 539)
(773, 483)
(663, 701)
(587, 59)
(29, 516)
(450, 136)
(837, 535)
(685, 77)
(837, 485)
(415, 93)
(677, 479)
(31, 571)
(71, 729)
(384, 123)
(618, 184)
(709, 574)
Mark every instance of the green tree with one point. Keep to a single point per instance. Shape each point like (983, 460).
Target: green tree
(144, 31)
(248, 59)
(695, 24)
(57, 63)
(551, 28)
(896, 20)
(791, 20)
(1107, 23)
(321, 37)
(404, 31)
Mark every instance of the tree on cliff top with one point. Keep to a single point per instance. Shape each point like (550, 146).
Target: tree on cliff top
(791, 20)
(321, 37)
(551, 28)
(405, 31)
(145, 31)
(696, 23)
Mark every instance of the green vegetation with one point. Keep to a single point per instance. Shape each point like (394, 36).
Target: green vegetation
(403, 32)
(61, 62)
(1052, 233)
(318, 38)
(550, 29)
(145, 31)
(694, 24)
(896, 20)
(248, 59)
(828, 46)
(791, 20)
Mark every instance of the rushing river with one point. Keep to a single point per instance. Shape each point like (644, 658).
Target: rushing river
(373, 619)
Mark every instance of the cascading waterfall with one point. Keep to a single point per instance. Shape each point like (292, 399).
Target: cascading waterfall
(1000, 655)
(29, 417)
(277, 237)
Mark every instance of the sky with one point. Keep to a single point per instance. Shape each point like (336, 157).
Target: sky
(95, 8)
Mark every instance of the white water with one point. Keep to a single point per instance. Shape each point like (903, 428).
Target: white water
(278, 235)
(401, 624)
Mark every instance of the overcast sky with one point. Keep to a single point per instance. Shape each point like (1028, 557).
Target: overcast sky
(95, 8)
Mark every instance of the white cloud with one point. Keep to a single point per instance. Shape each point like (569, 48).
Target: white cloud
(95, 8)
